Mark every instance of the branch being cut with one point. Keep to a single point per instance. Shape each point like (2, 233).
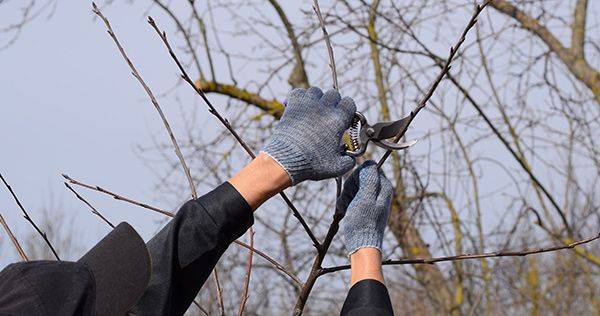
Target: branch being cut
(467, 256)
(445, 69)
(26, 216)
(13, 239)
(441, 75)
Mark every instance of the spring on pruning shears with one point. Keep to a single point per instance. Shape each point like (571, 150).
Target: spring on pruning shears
(361, 133)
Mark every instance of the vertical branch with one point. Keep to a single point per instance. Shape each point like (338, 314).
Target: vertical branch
(185, 35)
(298, 77)
(219, 290)
(317, 8)
(578, 28)
(13, 239)
(202, 27)
(136, 74)
(26, 216)
(327, 43)
(248, 273)
(379, 81)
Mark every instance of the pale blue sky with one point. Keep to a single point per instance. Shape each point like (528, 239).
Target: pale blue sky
(69, 104)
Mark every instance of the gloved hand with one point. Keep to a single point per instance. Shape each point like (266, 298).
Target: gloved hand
(307, 142)
(365, 201)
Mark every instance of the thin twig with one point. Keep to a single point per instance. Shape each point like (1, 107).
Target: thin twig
(521, 253)
(212, 110)
(219, 290)
(276, 264)
(13, 239)
(94, 210)
(248, 273)
(317, 9)
(116, 196)
(327, 43)
(26, 216)
(200, 308)
(440, 76)
(136, 74)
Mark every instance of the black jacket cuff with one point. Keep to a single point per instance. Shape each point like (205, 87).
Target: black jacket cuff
(368, 297)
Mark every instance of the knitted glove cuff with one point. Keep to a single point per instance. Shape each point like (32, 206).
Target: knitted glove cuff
(290, 157)
(364, 239)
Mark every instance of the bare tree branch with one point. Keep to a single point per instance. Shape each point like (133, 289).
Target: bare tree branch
(248, 273)
(28, 218)
(94, 211)
(227, 125)
(13, 239)
(328, 44)
(115, 195)
(578, 28)
(577, 65)
(136, 74)
(521, 253)
(441, 75)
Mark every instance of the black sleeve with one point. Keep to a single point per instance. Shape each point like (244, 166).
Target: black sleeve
(368, 297)
(186, 250)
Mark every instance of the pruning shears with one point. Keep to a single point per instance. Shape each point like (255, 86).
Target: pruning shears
(361, 133)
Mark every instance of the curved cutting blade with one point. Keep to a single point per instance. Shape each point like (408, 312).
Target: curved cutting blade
(394, 146)
(385, 130)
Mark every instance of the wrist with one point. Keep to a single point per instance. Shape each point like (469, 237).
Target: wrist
(366, 264)
(258, 181)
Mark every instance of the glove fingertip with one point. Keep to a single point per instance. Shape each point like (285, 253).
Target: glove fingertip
(295, 94)
(314, 93)
(348, 107)
(331, 98)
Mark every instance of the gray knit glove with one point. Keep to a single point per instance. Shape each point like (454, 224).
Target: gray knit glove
(366, 202)
(307, 141)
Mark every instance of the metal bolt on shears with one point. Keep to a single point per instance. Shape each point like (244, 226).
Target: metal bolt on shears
(361, 133)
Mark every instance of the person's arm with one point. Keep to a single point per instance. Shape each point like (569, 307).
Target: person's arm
(186, 250)
(306, 145)
(365, 201)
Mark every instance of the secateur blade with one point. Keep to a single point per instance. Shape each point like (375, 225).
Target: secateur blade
(361, 133)
(385, 130)
(394, 146)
